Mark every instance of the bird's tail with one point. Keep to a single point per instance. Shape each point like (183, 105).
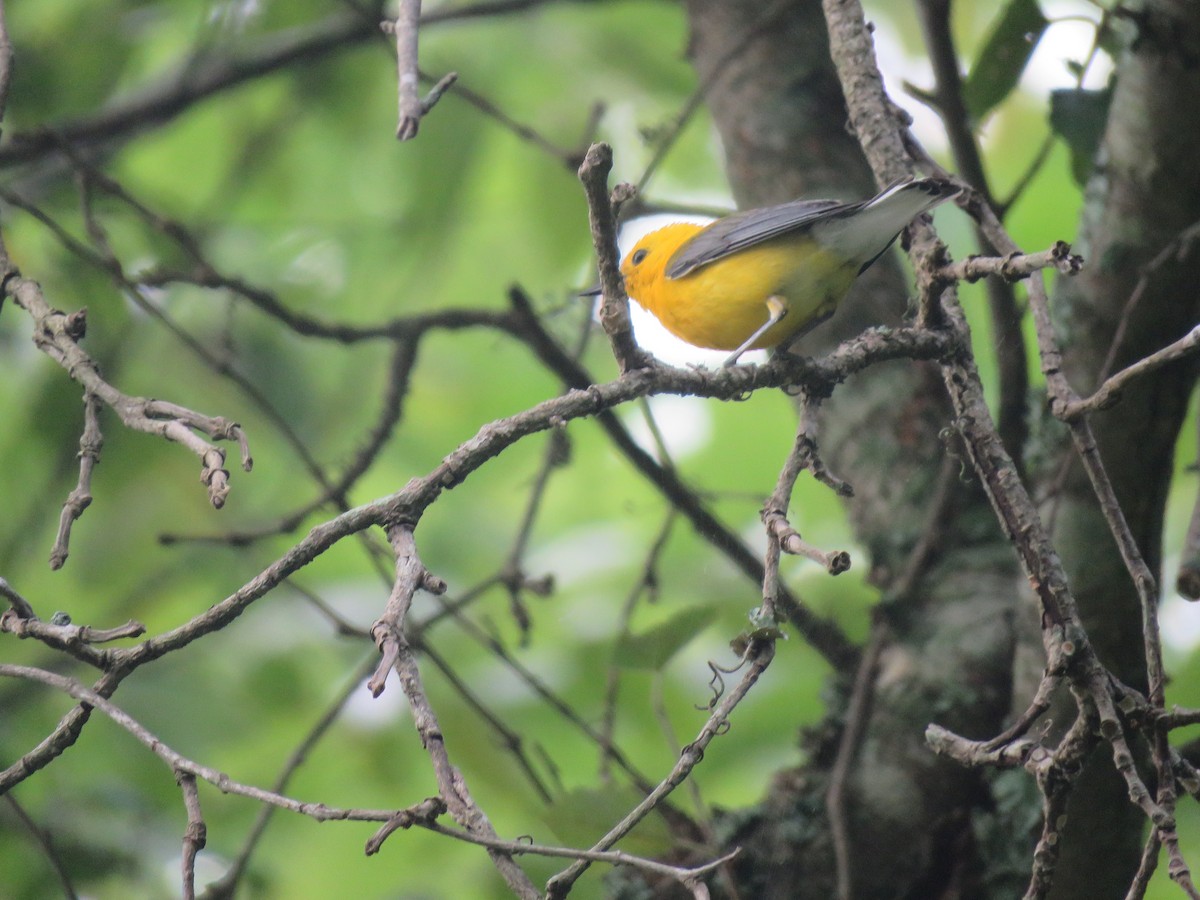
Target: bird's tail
(864, 231)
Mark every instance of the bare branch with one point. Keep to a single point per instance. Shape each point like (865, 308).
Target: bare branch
(614, 309)
(553, 700)
(508, 737)
(182, 764)
(196, 835)
(411, 576)
(73, 639)
(18, 603)
(1110, 392)
(389, 635)
(1015, 266)
(58, 335)
(1178, 248)
(1092, 686)
(1146, 868)
(79, 499)
(412, 108)
(405, 30)
(774, 513)
(835, 562)
(976, 754)
(173, 95)
(423, 814)
(948, 101)
(645, 585)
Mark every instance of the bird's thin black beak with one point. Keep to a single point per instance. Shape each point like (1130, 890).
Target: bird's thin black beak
(590, 292)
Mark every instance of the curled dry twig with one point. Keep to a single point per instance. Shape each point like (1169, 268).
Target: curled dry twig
(58, 334)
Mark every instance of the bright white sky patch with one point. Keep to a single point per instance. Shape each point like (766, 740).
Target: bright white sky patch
(376, 713)
(1178, 619)
(685, 424)
(1068, 38)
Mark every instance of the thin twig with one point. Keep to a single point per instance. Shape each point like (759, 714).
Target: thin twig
(666, 139)
(949, 103)
(195, 837)
(43, 839)
(686, 876)
(90, 443)
(322, 813)
(57, 335)
(555, 455)
(939, 516)
(196, 80)
(508, 738)
(180, 763)
(1110, 391)
(412, 108)
(19, 604)
(552, 699)
(803, 455)
(424, 813)
(703, 813)
(614, 309)
(1146, 867)
(227, 885)
(76, 640)
(1177, 248)
(645, 585)
(411, 576)
(397, 653)
(835, 562)
(1015, 266)
(406, 29)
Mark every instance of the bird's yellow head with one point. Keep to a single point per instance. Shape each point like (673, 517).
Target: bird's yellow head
(644, 267)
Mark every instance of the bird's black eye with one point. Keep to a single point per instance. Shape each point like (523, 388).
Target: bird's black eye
(638, 256)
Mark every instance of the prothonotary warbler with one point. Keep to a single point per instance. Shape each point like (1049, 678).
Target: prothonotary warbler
(763, 277)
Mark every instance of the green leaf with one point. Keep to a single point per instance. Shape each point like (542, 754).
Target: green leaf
(1078, 116)
(1004, 56)
(653, 648)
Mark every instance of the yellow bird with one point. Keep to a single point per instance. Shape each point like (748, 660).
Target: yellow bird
(763, 277)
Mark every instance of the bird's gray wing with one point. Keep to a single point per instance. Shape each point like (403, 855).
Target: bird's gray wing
(746, 229)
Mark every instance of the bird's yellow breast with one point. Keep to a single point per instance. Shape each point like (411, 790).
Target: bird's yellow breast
(722, 303)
